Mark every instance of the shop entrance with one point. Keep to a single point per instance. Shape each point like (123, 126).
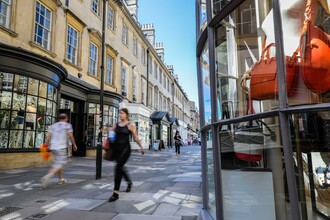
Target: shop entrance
(75, 110)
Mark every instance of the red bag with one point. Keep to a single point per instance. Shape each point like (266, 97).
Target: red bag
(263, 83)
(315, 51)
(109, 154)
(44, 150)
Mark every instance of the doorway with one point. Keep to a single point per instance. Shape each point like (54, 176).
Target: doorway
(75, 110)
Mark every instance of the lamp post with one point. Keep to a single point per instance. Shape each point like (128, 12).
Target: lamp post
(99, 145)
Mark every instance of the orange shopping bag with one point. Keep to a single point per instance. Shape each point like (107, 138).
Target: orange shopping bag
(44, 150)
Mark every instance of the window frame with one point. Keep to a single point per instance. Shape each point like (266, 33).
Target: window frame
(9, 6)
(109, 73)
(77, 46)
(135, 46)
(97, 13)
(124, 79)
(124, 33)
(50, 32)
(95, 61)
(112, 26)
(143, 55)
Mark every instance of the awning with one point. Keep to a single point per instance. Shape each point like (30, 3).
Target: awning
(175, 122)
(158, 117)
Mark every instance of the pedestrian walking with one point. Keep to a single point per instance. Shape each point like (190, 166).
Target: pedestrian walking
(177, 142)
(122, 150)
(57, 139)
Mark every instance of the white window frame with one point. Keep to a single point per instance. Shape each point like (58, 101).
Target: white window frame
(123, 79)
(46, 41)
(124, 34)
(96, 7)
(7, 14)
(109, 71)
(93, 60)
(111, 18)
(74, 44)
(134, 87)
(143, 86)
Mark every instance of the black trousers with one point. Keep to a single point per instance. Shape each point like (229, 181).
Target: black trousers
(177, 148)
(122, 156)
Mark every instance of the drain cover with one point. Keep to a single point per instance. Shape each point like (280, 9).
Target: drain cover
(7, 210)
(41, 201)
(39, 215)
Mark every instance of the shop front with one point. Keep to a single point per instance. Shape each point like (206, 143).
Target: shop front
(80, 101)
(161, 128)
(29, 89)
(263, 79)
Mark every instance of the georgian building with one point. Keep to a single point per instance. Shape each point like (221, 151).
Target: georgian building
(50, 62)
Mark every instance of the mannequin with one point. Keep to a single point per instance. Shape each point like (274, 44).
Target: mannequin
(30, 121)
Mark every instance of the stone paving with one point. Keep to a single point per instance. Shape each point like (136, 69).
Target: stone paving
(164, 187)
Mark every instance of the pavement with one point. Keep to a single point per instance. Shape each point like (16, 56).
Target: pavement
(164, 188)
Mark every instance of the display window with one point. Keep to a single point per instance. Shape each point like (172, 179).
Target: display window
(26, 112)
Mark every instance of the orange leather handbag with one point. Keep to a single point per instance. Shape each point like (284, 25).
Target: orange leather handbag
(263, 75)
(315, 51)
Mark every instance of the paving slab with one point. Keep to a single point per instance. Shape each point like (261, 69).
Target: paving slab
(144, 217)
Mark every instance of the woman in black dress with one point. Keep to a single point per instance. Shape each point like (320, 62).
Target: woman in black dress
(177, 142)
(122, 150)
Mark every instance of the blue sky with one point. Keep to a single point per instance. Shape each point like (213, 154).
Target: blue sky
(174, 22)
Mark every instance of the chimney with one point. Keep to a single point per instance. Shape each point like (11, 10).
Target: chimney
(170, 69)
(160, 51)
(132, 6)
(149, 32)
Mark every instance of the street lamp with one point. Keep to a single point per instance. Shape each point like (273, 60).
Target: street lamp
(100, 136)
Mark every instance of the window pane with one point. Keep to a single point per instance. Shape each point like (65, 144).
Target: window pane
(6, 81)
(42, 26)
(3, 138)
(5, 100)
(33, 86)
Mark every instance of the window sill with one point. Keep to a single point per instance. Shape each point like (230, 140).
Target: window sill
(10, 32)
(33, 44)
(97, 15)
(112, 30)
(92, 75)
(71, 64)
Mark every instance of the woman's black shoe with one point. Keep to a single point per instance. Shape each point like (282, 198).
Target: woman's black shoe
(114, 197)
(129, 187)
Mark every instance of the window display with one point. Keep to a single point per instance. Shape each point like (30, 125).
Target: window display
(23, 112)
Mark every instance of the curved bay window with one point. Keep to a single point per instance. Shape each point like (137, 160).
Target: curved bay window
(27, 109)
(264, 73)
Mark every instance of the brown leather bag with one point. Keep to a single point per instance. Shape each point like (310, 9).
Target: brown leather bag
(263, 75)
(315, 52)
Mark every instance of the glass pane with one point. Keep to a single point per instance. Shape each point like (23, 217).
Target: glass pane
(33, 86)
(42, 106)
(244, 84)
(210, 172)
(49, 110)
(31, 105)
(4, 119)
(5, 100)
(6, 81)
(43, 89)
(20, 84)
(218, 5)
(19, 101)
(3, 139)
(204, 59)
(15, 139)
(39, 139)
(54, 110)
(202, 15)
(310, 135)
(50, 92)
(92, 108)
(29, 136)
(311, 80)
(252, 151)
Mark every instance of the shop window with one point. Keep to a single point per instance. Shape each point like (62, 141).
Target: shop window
(109, 71)
(96, 5)
(42, 28)
(93, 59)
(6, 81)
(124, 34)
(72, 45)
(111, 18)
(5, 9)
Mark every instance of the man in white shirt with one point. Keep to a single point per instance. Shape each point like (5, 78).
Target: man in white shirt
(57, 138)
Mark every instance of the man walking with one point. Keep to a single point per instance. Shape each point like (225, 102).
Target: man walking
(57, 138)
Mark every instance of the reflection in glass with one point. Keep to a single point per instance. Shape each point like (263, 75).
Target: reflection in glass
(33, 86)
(49, 109)
(21, 83)
(204, 59)
(4, 118)
(252, 151)
(19, 101)
(218, 5)
(43, 89)
(210, 173)
(16, 139)
(6, 81)
(41, 106)
(3, 138)
(5, 100)
(202, 15)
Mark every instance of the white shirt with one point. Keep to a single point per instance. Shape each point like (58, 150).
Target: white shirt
(59, 135)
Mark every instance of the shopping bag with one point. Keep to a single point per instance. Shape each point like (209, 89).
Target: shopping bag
(109, 153)
(44, 150)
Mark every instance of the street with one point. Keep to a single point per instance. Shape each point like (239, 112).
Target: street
(164, 187)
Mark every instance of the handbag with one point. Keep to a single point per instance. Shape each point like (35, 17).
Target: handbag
(263, 75)
(249, 138)
(109, 153)
(315, 50)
